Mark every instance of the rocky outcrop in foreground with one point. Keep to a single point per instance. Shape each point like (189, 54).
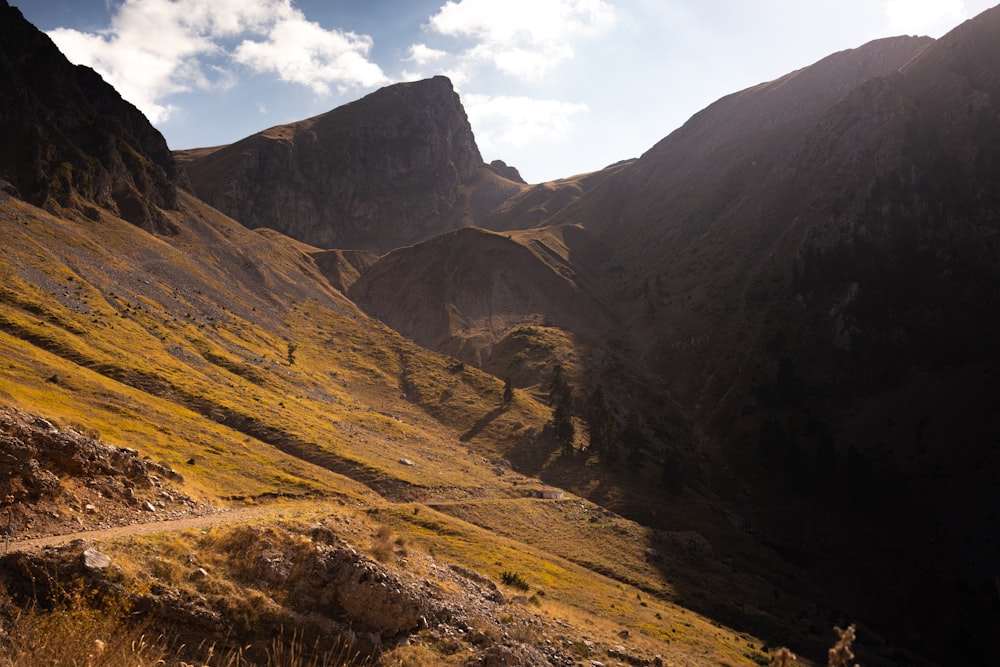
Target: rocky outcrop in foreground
(246, 585)
(59, 480)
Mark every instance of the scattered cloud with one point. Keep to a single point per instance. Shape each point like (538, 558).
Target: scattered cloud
(303, 52)
(521, 38)
(514, 122)
(154, 49)
(421, 55)
(924, 17)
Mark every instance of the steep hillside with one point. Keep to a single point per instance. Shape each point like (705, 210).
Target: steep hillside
(391, 169)
(221, 364)
(519, 304)
(790, 304)
(103, 153)
(538, 204)
(462, 292)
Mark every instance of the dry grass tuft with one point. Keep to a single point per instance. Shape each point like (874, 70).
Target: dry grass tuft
(840, 655)
(783, 658)
(80, 637)
(75, 636)
(387, 545)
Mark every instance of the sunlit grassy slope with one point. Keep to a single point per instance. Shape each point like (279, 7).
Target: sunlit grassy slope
(224, 354)
(230, 349)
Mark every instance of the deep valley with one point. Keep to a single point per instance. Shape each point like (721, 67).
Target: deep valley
(367, 399)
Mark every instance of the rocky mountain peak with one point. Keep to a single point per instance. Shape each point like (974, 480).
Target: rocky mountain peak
(507, 171)
(70, 141)
(384, 171)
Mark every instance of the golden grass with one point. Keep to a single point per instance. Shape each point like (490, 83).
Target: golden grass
(594, 606)
(78, 636)
(570, 592)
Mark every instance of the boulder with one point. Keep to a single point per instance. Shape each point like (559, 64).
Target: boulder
(95, 561)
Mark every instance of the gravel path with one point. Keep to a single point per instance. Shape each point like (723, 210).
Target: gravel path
(240, 514)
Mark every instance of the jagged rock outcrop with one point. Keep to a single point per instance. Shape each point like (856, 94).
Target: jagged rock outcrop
(387, 170)
(319, 586)
(507, 171)
(70, 141)
(44, 467)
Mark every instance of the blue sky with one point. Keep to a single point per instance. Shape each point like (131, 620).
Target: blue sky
(553, 87)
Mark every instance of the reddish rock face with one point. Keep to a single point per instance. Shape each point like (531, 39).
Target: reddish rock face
(388, 170)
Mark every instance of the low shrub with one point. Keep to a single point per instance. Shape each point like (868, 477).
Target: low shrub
(515, 580)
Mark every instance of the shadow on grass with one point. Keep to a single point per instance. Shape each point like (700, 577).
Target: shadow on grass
(535, 456)
(483, 422)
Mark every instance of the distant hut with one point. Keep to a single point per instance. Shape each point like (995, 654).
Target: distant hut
(549, 494)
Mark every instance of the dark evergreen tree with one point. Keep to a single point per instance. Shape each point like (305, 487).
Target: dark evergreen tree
(508, 391)
(672, 474)
(562, 399)
(558, 385)
(562, 421)
(634, 438)
(601, 423)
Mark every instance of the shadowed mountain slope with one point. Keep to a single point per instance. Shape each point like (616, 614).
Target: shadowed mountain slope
(464, 291)
(391, 169)
(811, 267)
(538, 204)
(70, 142)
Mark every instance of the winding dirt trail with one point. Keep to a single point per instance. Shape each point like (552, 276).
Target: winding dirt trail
(235, 515)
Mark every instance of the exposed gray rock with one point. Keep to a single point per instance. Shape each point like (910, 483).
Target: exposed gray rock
(95, 561)
(508, 656)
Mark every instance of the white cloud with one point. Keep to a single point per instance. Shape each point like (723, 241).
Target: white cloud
(924, 17)
(502, 121)
(158, 48)
(421, 55)
(304, 52)
(522, 38)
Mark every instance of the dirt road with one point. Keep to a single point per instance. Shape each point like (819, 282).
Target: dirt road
(241, 514)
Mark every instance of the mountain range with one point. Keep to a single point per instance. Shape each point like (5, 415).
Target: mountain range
(779, 325)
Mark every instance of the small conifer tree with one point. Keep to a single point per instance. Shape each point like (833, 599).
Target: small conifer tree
(562, 421)
(602, 426)
(634, 438)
